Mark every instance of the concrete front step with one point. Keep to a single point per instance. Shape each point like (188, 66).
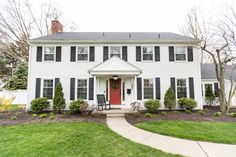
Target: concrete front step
(116, 115)
(116, 111)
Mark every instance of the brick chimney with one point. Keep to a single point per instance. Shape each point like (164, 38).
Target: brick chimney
(56, 27)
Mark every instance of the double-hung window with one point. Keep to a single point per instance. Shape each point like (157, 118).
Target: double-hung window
(147, 53)
(148, 88)
(181, 88)
(82, 54)
(82, 89)
(115, 51)
(49, 53)
(48, 88)
(180, 53)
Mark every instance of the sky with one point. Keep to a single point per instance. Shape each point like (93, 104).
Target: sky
(131, 15)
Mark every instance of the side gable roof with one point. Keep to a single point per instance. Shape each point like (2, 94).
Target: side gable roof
(114, 36)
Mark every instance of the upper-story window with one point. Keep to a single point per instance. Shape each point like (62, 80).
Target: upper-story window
(181, 88)
(180, 53)
(147, 53)
(115, 51)
(82, 54)
(49, 53)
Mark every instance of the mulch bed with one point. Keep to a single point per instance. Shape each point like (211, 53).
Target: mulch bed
(179, 115)
(22, 117)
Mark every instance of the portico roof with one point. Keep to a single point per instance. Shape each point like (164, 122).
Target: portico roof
(115, 66)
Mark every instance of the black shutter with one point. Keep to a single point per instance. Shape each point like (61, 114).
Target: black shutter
(39, 53)
(158, 88)
(139, 88)
(58, 53)
(124, 53)
(191, 87)
(157, 53)
(57, 80)
(105, 53)
(216, 88)
(72, 88)
(72, 53)
(190, 54)
(91, 54)
(91, 88)
(37, 87)
(138, 53)
(171, 54)
(172, 83)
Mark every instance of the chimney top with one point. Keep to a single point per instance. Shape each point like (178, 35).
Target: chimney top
(56, 26)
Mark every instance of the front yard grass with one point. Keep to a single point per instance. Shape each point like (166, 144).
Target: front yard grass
(219, 132)
(85, 139)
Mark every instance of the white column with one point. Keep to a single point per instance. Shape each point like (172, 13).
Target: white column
(134, 89)
(95, 90)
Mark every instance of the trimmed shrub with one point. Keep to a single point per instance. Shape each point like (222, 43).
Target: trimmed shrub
(188, 111)
(43, 115)
(201, 112)
(34, 115)
(58, 100)
(38, 104)
(163, 113)
(233, 114)
(152, 106)
(169, 99)
(149, 115)
(78, 106)
(217, 114)
(187, 103)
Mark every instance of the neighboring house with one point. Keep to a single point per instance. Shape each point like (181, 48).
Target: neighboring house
(208, 75)
(125, 67)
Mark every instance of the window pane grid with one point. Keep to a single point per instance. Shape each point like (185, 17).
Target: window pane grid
(82, 54)
(48, 89)
(49, 53)
(82, 89)
(181, 88)
(180, 53)
(115, 51)
(148, 88)
(147, 53)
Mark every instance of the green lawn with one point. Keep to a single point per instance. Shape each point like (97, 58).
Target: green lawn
(219, 132)
(83, 139)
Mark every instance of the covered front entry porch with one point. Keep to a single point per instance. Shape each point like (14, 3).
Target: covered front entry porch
(115, 79)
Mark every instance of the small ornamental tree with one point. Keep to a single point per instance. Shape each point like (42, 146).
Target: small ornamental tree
(169, 99)
(58, 100)
(209, 95)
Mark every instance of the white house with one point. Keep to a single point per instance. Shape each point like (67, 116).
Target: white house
(208, 75)
(125, 67)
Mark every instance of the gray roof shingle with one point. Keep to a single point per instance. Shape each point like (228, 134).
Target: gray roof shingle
(77, 36)
(208, 72)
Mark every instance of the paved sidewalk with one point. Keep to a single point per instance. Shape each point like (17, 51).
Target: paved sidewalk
(173, 145)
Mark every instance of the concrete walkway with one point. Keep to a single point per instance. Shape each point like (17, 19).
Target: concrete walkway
(173, 145)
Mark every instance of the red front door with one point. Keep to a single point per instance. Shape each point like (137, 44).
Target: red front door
(115, 92)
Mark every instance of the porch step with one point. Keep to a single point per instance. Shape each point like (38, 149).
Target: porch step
(115, 115)
(115, 111)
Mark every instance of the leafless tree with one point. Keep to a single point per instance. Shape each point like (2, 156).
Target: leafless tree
(215, 40)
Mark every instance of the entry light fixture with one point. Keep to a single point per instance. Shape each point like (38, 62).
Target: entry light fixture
(115, 77)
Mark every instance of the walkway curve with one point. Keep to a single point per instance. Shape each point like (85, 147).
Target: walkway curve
(169, 144)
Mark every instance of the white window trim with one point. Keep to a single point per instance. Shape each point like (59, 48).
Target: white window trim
(187, 87)
(213, 87)
(109, 50)
(53, 85)
(153, 80)
(44, 54)
(76, 86)
(183, 61)
(76, 57)
(153, 54)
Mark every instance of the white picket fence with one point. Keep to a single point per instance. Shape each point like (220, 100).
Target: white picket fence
(20, 96)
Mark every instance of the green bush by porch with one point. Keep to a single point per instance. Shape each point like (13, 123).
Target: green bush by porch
(69, 139)
(219, 132)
